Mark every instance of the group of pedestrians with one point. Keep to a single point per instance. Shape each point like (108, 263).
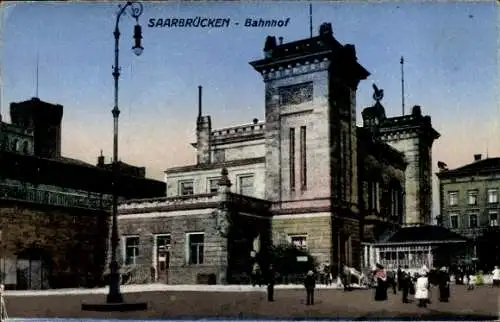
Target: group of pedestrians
(417, 284)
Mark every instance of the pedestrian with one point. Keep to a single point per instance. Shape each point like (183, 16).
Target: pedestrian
(381, 280)
(444, 285)
(422, 289)
(271, 280)
(399, 278)
(404, 283)
(310, 285)
(391, 280)
(327, 275)
(496, 277)
(471, 282)
(256, 275)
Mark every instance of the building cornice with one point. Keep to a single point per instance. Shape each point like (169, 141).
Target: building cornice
(216, 165)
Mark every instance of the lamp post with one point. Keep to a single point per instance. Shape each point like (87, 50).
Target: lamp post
(114, 295)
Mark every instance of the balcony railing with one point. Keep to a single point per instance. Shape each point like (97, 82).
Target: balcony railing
(30, 193)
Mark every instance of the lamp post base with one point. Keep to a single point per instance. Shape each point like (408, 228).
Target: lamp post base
(114, 295)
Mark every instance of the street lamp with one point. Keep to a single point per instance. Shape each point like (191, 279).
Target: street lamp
(135, 8)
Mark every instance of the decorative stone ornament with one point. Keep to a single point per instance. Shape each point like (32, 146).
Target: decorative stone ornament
(222, 222)
(224, 180)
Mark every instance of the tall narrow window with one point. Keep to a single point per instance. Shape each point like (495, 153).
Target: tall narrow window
(131, 253)
(303, 158)
(195, 250)
(292, 158)
(345, 185)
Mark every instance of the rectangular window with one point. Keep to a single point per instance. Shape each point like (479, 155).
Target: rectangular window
(292, 158)
(162, 252)
(343, 158)
(374, 195)
(453, 221)
(246, 185)
(493, 218)
(195, 243)
(131, 250)
(472, 220)
(453, 198)
(213, 185)
(493, 195)
(299, 241)
(472, 197)
(303, 158)
(186, 188)
(296, 94)
(395, 203)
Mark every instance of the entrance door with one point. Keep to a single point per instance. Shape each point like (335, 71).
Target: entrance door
(162, 257)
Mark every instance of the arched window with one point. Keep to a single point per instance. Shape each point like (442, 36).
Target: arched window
(25, 147)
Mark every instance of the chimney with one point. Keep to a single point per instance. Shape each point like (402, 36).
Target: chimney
(477, 157)
(203, 134)
(100, 160)
(199, 101)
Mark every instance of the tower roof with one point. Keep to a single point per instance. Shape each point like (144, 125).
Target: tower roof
(317, 48)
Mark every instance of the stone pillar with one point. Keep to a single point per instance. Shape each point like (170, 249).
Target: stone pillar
(223, 226)
(366, 261)
(429, 257)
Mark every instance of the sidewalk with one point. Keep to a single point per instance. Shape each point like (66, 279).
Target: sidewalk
(140, 288)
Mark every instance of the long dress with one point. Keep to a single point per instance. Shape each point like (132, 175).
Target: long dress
(422, 290)
(381, 289)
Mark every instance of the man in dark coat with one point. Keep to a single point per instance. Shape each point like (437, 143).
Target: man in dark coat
(391, 280)
(400, 277)
(310, 284)
(271, 280)
(404, 284)
(444, 285)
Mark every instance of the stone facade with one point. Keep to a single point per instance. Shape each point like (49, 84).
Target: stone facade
(414, 135)
(230, 225)
(51, 246)
(330, 184)
(469, 205)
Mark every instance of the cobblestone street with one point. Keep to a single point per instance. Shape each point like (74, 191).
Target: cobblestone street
(479, 304)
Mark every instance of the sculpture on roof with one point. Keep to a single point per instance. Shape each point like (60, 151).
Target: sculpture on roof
(378, 94)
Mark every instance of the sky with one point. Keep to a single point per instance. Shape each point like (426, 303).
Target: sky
(451, 70)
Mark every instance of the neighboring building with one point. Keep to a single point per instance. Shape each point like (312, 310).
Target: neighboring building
(323, 183)
(53, 210)
(469, 204)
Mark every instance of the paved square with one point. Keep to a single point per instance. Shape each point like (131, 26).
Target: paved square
(479, 304)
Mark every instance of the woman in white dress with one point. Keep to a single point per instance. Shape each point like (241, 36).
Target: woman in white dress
(422, 289)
